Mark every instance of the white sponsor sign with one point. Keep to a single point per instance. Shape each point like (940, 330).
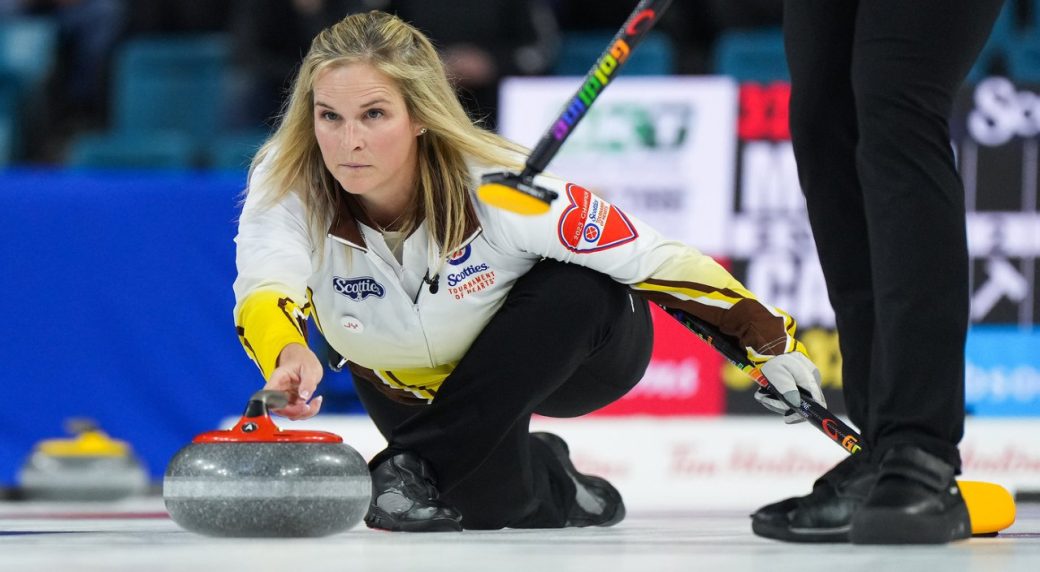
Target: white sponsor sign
(1015, 234)
(1002, 112)
(661, 149)
(769, 180)
(727, 462)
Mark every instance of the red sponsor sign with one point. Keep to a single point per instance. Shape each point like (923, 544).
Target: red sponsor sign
(684, 377)
(763, 112)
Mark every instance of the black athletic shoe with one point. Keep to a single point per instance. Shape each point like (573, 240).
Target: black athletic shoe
(405, 498)
(596, 502)
(825, 514)
(916, 501)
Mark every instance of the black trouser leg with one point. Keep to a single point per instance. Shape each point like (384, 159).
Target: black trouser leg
(566, 342)
(906, 61)
(909, 60)
(520, 471)
(818, 41)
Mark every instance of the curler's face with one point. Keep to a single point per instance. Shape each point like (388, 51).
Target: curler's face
(366, 136)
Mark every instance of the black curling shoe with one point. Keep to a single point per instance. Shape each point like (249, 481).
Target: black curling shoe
(596, 501)
(916, 501)
(405, 498)
(825, 514)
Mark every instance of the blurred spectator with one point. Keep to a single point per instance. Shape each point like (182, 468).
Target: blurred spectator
(729, 14)
(693, 26)
(481, 42)
(690, 25)
(87, 34)
(10, 7)
(270, 37)
(156, 17)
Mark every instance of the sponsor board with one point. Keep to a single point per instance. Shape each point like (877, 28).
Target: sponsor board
(994, 127)
(732, 462)
(1002, 371)
(758, 220)
(683, 377)
(769, 239)
(659, 148)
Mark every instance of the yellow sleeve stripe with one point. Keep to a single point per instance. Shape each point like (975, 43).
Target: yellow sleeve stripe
(790, 326)
(715, 298)
(725, 300)
(268, 321)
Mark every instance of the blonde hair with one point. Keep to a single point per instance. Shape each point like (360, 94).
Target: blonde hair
(402, 53)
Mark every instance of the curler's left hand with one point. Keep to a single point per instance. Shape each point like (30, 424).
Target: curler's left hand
(789, 373)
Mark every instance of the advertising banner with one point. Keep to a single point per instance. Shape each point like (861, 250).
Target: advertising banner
(710, 162)
(683, 377)
(659, 148)
(994, 129)
(1003, 371)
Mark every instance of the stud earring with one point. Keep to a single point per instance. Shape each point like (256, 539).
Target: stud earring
(422, 131)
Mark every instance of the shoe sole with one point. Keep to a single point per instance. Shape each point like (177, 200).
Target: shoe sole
(834, 535)
(378, 519)
(562, 452)
(877, 526)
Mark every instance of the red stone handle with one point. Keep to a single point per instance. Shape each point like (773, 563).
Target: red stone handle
(256, 425)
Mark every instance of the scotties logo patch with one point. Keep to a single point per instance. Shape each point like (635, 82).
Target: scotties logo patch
(357, 289)
(591, 224)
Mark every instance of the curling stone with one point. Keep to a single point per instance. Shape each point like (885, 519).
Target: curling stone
(91, 466)
(256, 480)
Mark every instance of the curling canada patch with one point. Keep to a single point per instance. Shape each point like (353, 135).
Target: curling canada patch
(460, 256)
(591, 224)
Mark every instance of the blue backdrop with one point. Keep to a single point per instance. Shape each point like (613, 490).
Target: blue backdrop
(117, 289)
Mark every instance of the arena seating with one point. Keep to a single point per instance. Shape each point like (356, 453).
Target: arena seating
(751, 55)
(655, 55)
(28, 52)
(168, 94)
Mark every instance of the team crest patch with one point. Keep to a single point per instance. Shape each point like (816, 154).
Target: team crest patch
(357, 289)
(591, 224)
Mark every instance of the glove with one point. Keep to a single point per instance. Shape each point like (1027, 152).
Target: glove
(789, 373)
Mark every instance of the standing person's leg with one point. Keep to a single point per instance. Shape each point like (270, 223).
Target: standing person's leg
(818, 40)
(909, 59)
(567, 341)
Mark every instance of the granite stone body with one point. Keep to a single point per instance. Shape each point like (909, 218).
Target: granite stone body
(81, 478)
(267, 489)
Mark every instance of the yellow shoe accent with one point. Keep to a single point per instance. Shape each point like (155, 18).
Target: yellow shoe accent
(990, 506)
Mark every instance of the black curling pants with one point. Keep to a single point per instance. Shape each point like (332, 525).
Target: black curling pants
(872, 86)
(566, 342)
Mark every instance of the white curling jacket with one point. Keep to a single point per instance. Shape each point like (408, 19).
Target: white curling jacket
(405, 325)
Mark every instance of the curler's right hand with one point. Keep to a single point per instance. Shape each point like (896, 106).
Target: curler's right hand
(298, 372)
